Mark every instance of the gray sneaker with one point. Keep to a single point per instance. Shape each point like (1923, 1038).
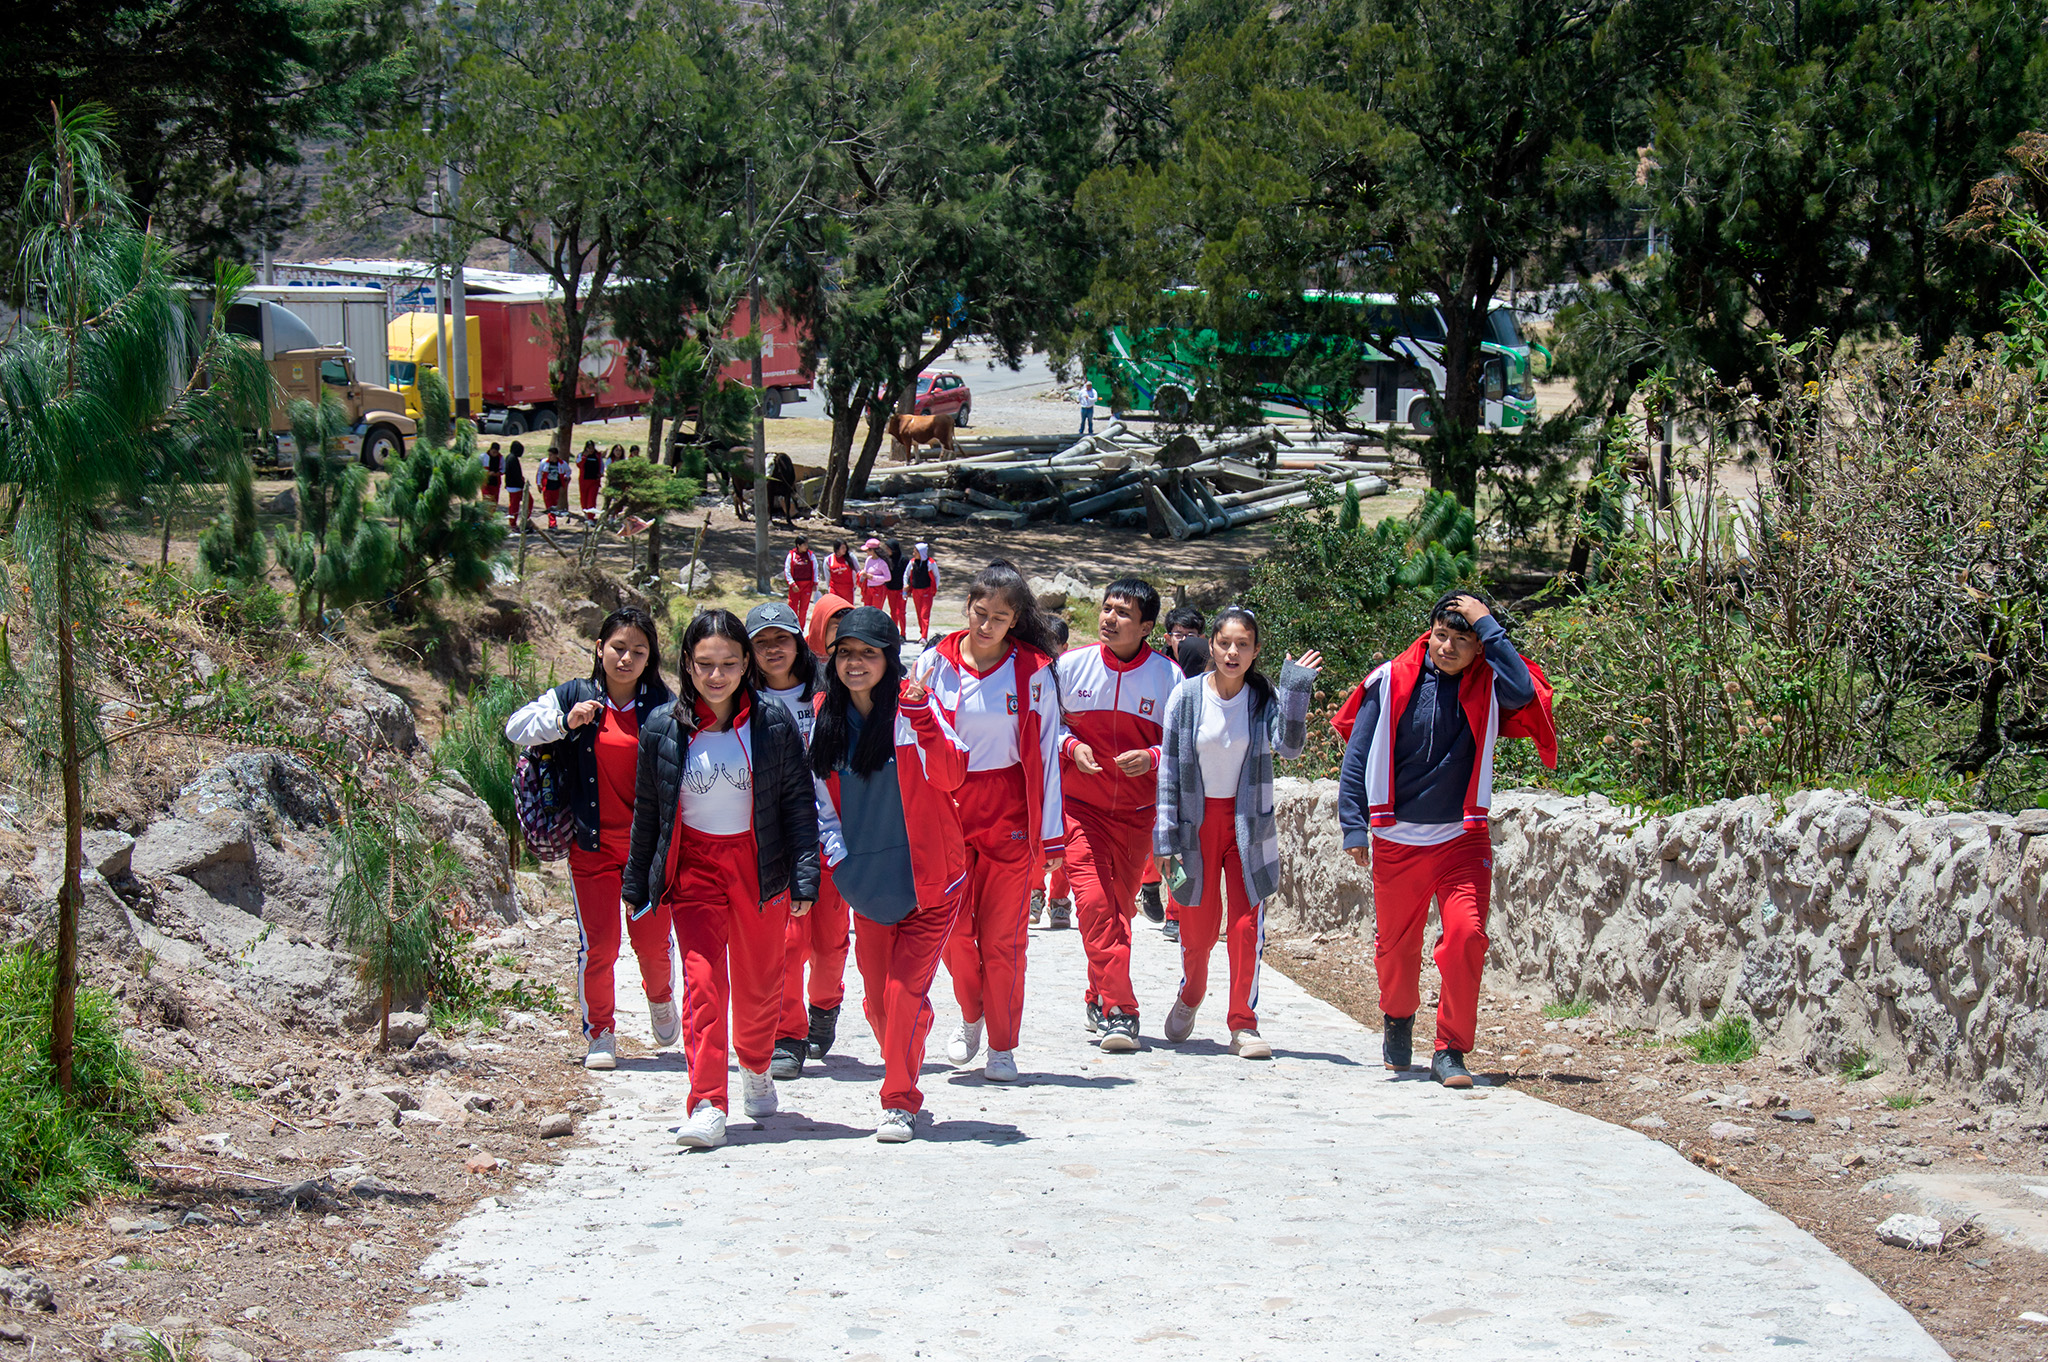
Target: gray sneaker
(1037, 905)
(1120, 1034)
(603, 1052)
(1059, 914)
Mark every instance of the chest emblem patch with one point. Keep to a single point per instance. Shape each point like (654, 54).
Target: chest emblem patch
(1145, 705)
(1010, 702)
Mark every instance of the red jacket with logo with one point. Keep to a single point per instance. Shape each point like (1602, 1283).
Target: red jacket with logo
(1113, 706)
(931, 763)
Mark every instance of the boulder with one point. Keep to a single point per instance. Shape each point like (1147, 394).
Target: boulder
(407, 1027)
(356, 1107)
(371, 718)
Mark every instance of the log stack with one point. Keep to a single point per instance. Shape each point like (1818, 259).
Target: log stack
(1179, 485)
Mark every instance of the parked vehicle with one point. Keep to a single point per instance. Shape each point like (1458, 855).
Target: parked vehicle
(304, 369)
(941, 392)
(510, 345)
(345, 315)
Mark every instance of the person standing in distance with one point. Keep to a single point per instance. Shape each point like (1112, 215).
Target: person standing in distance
(1086, 396)
(515, 484)
(840, 571)
(800, 570)
(725, 840)
(1113, 698)
(885, 760)
(1415, 788)
(922, 578)
(993, 682)
(1215, 834)
(601, 718)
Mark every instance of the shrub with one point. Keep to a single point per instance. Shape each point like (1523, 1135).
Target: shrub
(472, 741)
(56, 1153)
(388, 899)
(1577, 1007)
(1727, 1041)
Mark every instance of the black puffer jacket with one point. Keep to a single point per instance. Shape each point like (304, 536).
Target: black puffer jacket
(546, 720)
(785, 803)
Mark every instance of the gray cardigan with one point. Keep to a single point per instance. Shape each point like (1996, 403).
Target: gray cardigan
(1177, 823)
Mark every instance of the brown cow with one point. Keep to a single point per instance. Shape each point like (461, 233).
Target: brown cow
(908, 433)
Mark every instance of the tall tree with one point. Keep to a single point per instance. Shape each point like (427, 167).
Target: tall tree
(91, 413)
(443, 537)
(566, 119)
(339, 555)
(1408, 148)
(209, 103)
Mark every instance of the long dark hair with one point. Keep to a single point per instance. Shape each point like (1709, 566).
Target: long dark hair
(1262, 689)
(1001, 580)
(829, 739)
(626, 617)
(712, 624)
(804, 669)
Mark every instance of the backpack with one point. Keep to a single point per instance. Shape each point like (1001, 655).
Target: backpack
(920, 575)
(540, 794)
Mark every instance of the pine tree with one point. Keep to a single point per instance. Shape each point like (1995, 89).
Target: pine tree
(339, 556)
(232, 549)
(393, 874)
(446, 537)
(649, 491)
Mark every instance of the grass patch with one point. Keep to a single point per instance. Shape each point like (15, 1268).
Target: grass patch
(1727, 1041)
(1906, 1101)
(1577, 1007)
(56, 1153)
(1858, 1065)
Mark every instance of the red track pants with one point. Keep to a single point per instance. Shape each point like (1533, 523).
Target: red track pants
(732, 957)
(800, 598)
(921, 597)
(985, 955)
(594, 875)
(516, 496)
(896, 608)
(897, 962)
(490, 492)
(1105, 857)
(872, 595)
(1200, 923)
(818, 938)
(586, 492)
(1459, 875)
(1056, 886)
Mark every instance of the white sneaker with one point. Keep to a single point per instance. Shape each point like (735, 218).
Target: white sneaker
(757, 1092)
(966, 1043)
(1180, 1020)
(704, 1130)
(668, 1023)
(1248, 1045)
(1001, 1066)
(897, 1127)
(603, 1053)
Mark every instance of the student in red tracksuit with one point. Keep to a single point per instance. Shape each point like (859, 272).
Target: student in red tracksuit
(1113, 697)
(786, 672)
(589, 478)
(840, 570)
(515, 484)
(993, 682)
(493, 460)
(874, 576)
(600, 720)
(885, 761)
(1051, 887)
(1416, 787)
(922, 579)
(898, 565)
(800, 570)
(725, 841)
(554, 485)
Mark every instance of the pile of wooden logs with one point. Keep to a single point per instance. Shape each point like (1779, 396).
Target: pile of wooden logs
(1179, 485)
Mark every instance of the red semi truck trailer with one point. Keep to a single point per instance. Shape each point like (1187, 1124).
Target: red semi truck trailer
(511, 344)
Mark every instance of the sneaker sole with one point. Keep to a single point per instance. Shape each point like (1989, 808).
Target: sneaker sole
(1265, 1053)
(783, 1073)
(699, 1142)
(1460, 1082)
(1118, 1045)
(893, 1137)
(601, 1065)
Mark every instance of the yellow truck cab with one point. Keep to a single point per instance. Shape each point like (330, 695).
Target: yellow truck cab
(304, 369)
(413, 342)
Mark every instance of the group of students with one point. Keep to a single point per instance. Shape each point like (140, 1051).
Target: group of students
(506, 470)
(762, 813)
(883, 576)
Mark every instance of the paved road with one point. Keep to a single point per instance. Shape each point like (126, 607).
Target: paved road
(1178, 1203)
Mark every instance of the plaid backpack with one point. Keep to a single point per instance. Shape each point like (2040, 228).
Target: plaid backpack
(541, 796)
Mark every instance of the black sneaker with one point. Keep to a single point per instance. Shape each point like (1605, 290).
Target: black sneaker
(1148, 899)
(1398, 1048)
(1171, 931)
(1059, 915)
(1037, 906)
(789, 1058)
(824, 1030)
(1120, 1034)
(1448, 1068)
(1094, 1017)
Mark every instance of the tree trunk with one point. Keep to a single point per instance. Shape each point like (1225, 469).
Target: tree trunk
(70, 892)
(163, 548)
(654, 545)
(871, 446)
(384, 1028)
(848, 402)
(655, 422)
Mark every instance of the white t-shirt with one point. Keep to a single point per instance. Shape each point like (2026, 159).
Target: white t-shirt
(718, 784)
(1223, 735)
(798, 707)
(987, 717)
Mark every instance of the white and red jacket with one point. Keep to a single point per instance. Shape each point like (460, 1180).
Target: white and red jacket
(1113, 706)
(1019, 699)
(931, 763)
(801, 567)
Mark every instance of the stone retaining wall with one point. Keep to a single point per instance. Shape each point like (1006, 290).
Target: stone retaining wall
(1834, 923)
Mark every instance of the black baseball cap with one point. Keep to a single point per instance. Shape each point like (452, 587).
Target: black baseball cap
(871, 627)
(773, 615)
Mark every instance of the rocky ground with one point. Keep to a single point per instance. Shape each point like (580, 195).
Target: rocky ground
(1838, 1156)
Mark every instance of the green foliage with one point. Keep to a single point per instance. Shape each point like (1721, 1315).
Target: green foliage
(462, 994)
(1577, 1007)
(1727, 1041)
(54, 1152)
(1858, 1065)
(393, 880)
(472, 741)
(231, 549)
(437, 413)
(339, 555)
(649, 490)
(445, 536)
(1906, 1101)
